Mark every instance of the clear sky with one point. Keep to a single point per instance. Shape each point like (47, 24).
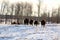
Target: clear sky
(45, 4)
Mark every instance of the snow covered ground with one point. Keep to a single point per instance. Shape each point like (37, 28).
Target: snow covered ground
(29, 32)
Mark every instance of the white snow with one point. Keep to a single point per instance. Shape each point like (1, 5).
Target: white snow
(29, 32)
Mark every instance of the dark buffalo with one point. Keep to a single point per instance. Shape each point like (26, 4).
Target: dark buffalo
(13, 23)
(26, 21)
(36, 23)
(31, 22)
(43, 23)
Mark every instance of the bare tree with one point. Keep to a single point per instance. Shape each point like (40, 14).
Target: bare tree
(58, 15)
(48, 17)
(12, 9)
(17, 10)
(44, 16)
(39, 5)
(54, 16)
(27, 9)
(4, 9)
(6, 14)
(7, 11)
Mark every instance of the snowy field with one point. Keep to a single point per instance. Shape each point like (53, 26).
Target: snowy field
(29, 32)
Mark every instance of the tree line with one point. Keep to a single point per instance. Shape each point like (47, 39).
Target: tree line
(16, 9)
(25, 9)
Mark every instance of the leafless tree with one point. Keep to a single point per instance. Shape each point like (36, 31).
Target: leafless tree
(17, 10)
(48, 17)
(54, 16)
(39, 5)
(7, 11)
(44, 16)
(12, 10)
(58, 15)
(27, 9)
(4, 9)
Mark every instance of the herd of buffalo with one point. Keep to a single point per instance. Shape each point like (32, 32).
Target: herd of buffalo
(31, 22)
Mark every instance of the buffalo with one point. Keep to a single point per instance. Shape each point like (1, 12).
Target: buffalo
(26, 21)
(13, 23)
(36, 23)
(43, 23)
(31, 22)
